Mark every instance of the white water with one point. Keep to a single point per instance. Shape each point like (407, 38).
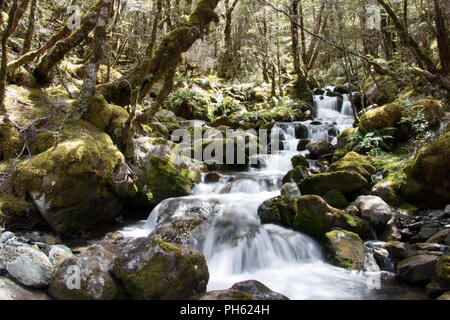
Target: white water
(238, 247)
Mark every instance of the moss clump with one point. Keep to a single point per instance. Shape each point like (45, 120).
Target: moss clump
(345, 249)
(299, 160)
(354, 162)
(386, 116)
(280, 210)
(296, 175)
(443, 270)
(190, 104)
(315, 217)
(11, 141)
(12, 205)
(107, 117)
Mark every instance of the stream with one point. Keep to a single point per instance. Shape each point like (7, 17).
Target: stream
(238, 247)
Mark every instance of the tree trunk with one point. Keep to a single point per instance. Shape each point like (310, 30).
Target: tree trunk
(31, 27)
(227, 57)
(153, 69)
(442, 38)
(154, 32)
(88, 89)
(15, 14)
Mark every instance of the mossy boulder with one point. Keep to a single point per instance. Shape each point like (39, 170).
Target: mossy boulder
(345, 249)
(319, 148)
(296, 175)
(386, 116)
(299, 160)
(309, 214)
(381, 91)
(11, 142)
(354, 162)
(223, 121)
(18, 214)
(71, 183)
(191, 104)
(94, 281)
(106, 117)
(157, 270)
(316, 217)
(346, 182)
(162, 172)
(443, 271)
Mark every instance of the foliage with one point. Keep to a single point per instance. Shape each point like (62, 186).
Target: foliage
(365, 142)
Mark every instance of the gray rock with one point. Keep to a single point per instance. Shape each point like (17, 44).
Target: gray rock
(5, 236)
(396, 249)
(319, 148)
(374, 209)
(290, 189)
(9, 290)
(418, 268)
(29, 266)
(86, 276)
(58, 254)
(258, 290)
(229, 294)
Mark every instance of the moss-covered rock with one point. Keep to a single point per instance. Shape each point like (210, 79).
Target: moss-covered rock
(345, 249)
(223, 121)
(346, 182)
(71, 183)
(386, 116)
(296, 175)
(157, 270)
(106, 117)
(315, 217)
(191, 104)
(11, 142)
(279, 210)
(162, 171)
(354, 162)
(381, 91)
(443, 271)
(299, 160)
(86, 276)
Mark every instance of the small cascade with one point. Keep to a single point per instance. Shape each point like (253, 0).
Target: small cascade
(238, 247)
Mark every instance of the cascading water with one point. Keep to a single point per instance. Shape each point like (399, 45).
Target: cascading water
(238, 247)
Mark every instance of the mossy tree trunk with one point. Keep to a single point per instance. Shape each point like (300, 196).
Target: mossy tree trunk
(154, 68)
(89, 84)
(31, 27)
(227, 57)
(15, 14)
(442, 37)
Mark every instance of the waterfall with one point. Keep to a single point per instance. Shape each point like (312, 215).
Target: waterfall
(238, 247)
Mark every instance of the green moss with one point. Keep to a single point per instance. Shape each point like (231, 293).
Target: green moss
(386, 116)
(354, 162)
(12, 205)
(11, 141)
(345, 249)
(342, 181)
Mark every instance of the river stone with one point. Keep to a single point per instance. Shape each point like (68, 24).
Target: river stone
(291, 190)
(86, 276)
(440, 237)
(229, 294)
(29, 266)
(150, 269)
(296, 175)
(9, 290)
(418, 268)
(319, 148)
(375, 210)
(396, 249)
(58, 254)
(345, 249)
(258, 290)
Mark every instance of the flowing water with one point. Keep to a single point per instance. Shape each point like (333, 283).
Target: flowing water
(238, 247)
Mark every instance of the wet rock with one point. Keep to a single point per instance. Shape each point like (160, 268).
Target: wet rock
(9, 290)
(396, 249)
(374, 210)
(442, 236)
(345, 249)
(290, 189)
(258, 290)
(296, 175)
(319, 148)
(229, 294)
(212, 177)
(299, 160)
(419, 268)
(302, 144)
(158, 270)
(86, 276)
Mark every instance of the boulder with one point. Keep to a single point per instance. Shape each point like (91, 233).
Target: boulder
(278, 210)
(11, 141)
(223, 121)
(302, 144)
(396, 249)
(299, 160)
(191, 104)
(386, 116)
(440, 237)
(345, 249)
(291, 190)
(58, 254)
(162, 172)
(374, 210)
(354, 162)
(86, 276)
(258, 290)
(158, 270)
(319, 148)
(73, 183)
(419, 268)
(9, 290)
(26, 264)
(229, 294)
(443, 271)
(296, 175)
(346, 182)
